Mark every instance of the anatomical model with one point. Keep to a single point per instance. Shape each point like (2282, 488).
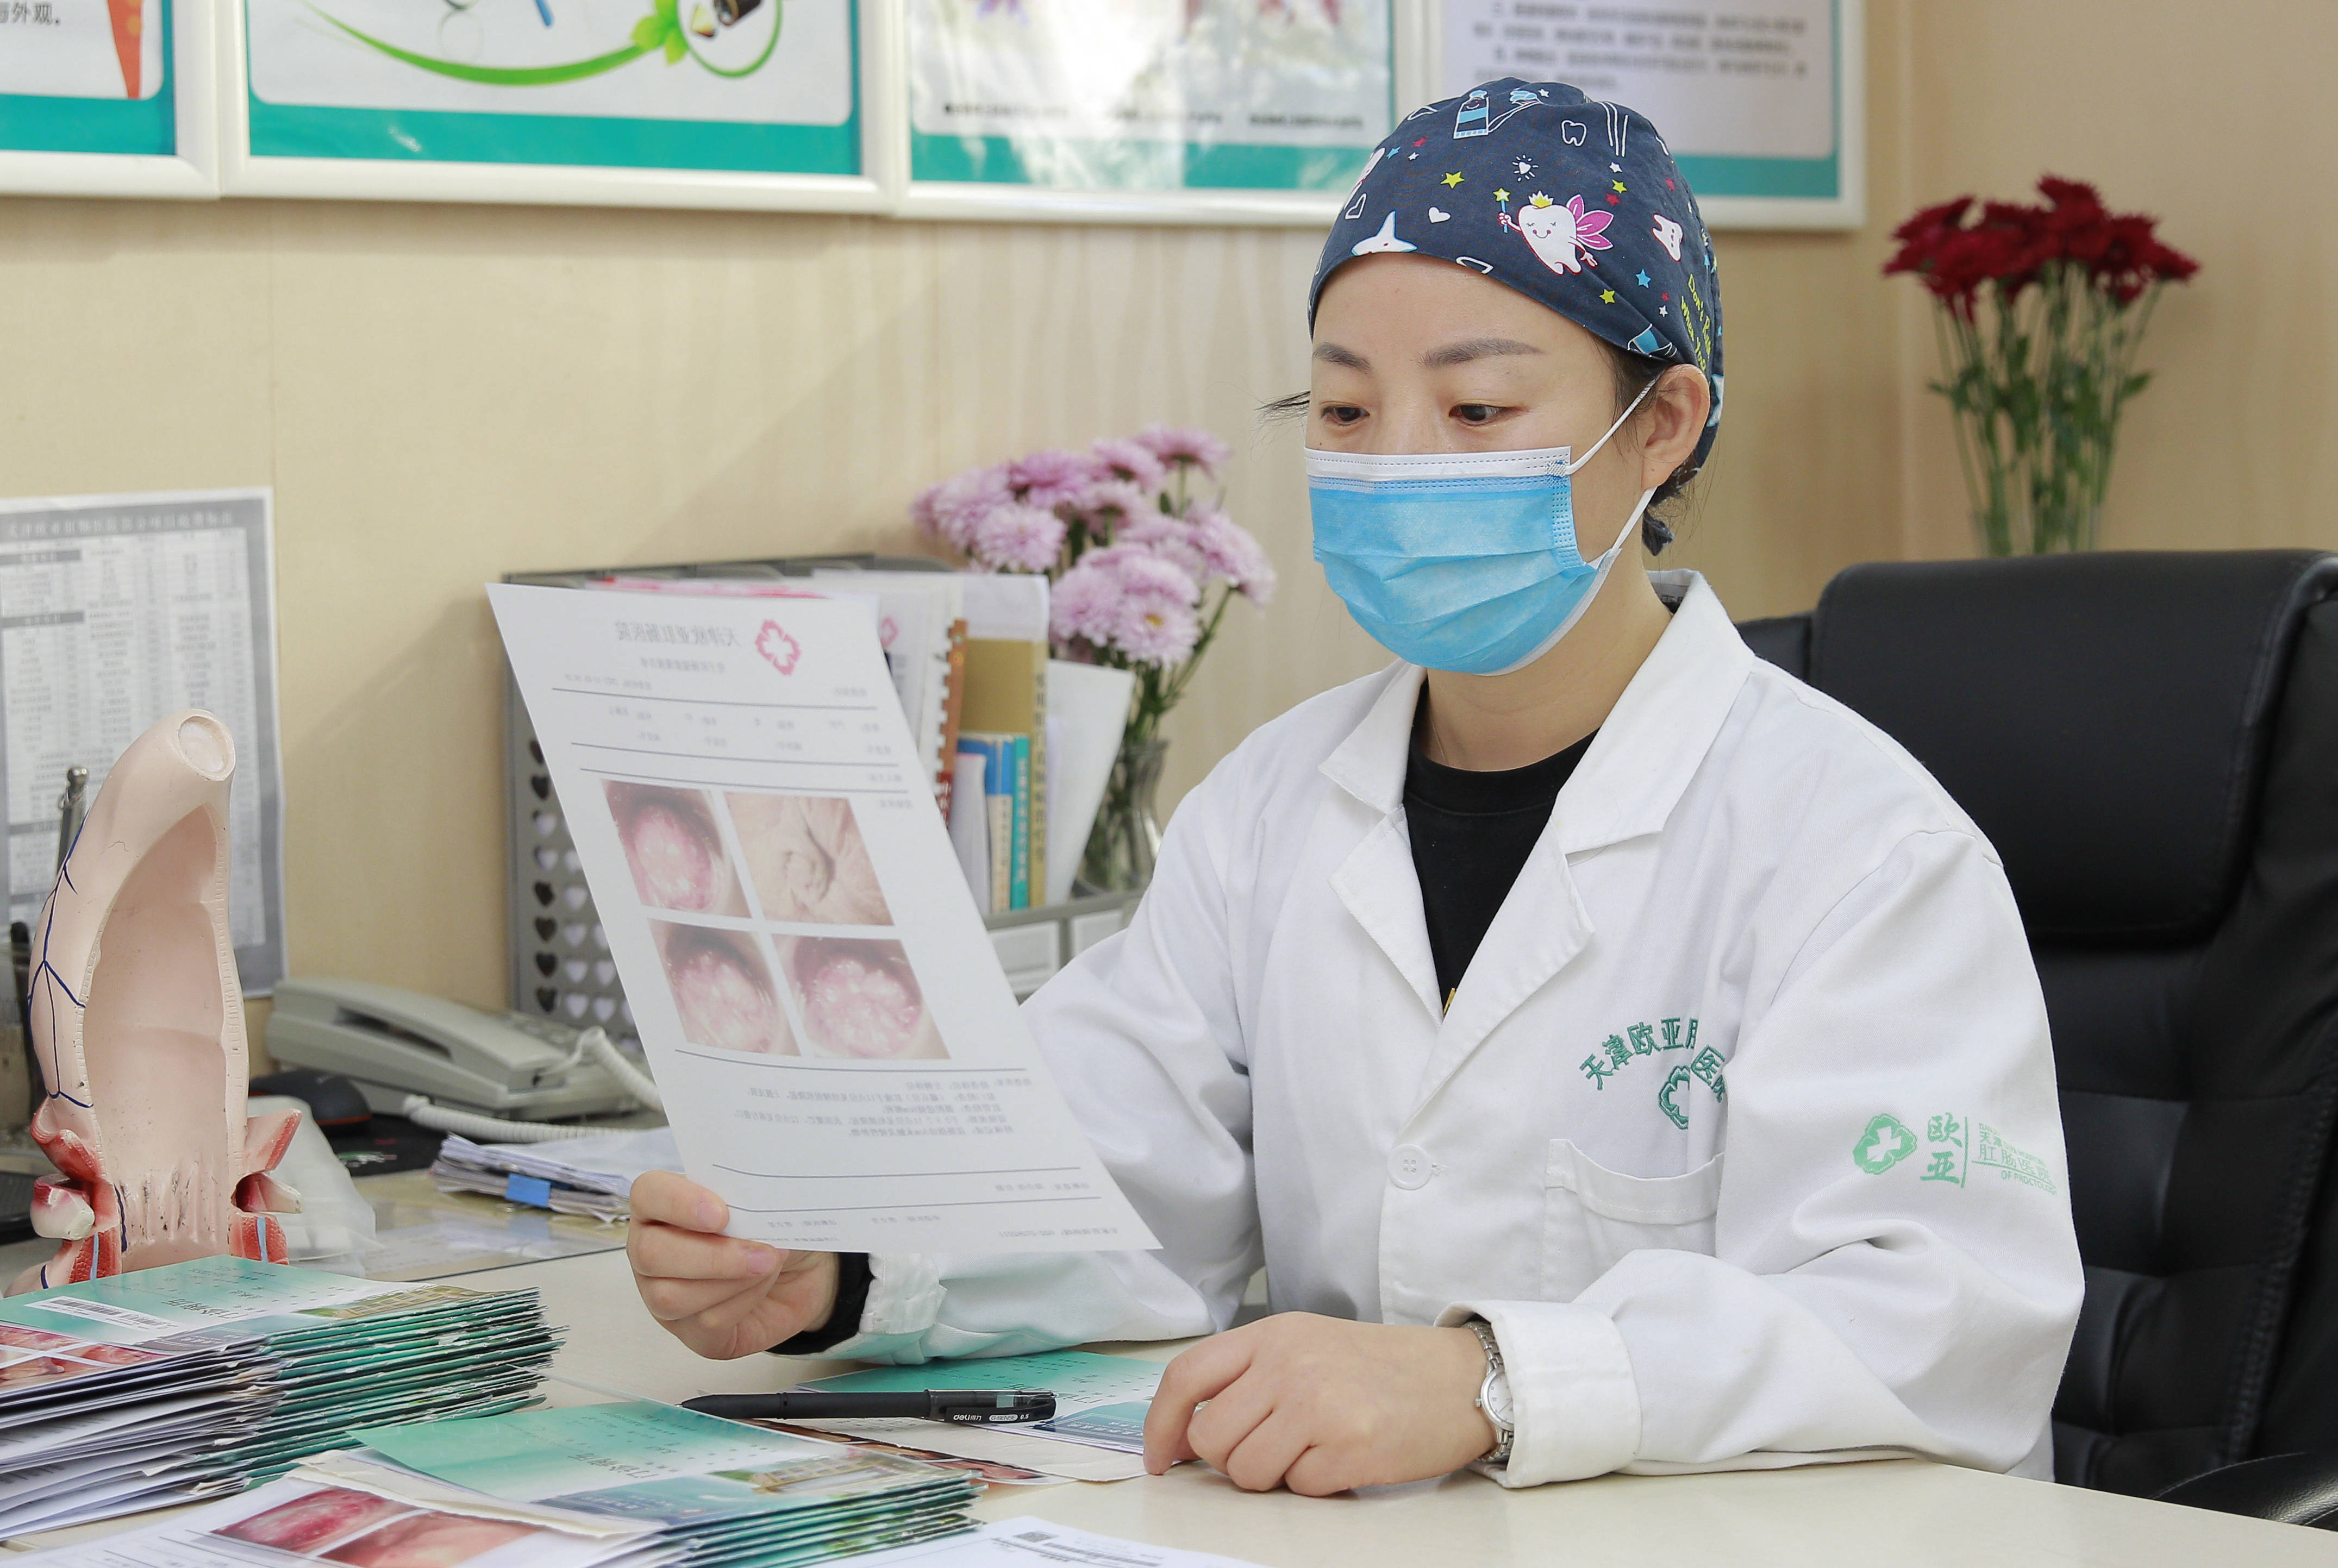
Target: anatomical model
(137, 1023)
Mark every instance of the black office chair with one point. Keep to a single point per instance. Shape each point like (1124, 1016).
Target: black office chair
(2151, 742)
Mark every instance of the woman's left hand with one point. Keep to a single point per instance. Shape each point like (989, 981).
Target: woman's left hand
(1320, 1404)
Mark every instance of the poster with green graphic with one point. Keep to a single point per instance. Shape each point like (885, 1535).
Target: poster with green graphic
(737, 86)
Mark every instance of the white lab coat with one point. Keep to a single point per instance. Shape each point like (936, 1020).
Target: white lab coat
(1741, 1129)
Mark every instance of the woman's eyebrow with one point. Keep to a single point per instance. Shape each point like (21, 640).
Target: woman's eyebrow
(1347, 359)
(1473, 349)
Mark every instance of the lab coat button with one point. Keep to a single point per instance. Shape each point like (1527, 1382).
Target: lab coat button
(1408, 1166)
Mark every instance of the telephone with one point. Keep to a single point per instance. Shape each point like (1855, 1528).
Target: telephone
(392, 1043)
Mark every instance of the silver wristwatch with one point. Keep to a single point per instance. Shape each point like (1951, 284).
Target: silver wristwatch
(1494, 1395)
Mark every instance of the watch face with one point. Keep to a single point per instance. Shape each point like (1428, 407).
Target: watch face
(1497, 1401)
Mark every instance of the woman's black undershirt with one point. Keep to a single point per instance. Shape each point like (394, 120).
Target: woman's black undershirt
(1471, 834)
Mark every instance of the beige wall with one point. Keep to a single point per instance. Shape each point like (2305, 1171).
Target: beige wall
(441, 395)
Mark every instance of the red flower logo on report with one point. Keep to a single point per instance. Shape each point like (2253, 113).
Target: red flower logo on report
(777, 646)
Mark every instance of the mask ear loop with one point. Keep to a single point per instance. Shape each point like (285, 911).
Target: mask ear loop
(1568, 468)
(1637, 512)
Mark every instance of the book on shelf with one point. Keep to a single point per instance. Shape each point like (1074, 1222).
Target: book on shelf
(1006, 693)
(996, 752)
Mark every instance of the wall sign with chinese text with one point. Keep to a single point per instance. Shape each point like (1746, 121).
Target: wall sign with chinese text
(1762, 101)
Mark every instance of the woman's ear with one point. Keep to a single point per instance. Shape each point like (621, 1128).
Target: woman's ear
(1672, 423)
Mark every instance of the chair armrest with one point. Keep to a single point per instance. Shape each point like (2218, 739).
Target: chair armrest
(2290, 1488)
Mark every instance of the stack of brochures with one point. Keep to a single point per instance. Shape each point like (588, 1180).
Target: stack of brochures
(571, 1176)
(195, 1378)
(701, 1492)
(369, 1516)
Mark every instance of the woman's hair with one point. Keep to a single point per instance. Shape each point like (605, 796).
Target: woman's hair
(1632, 375)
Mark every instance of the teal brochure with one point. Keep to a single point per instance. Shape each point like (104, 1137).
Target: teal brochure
(646, 1461)
(1100, 1400)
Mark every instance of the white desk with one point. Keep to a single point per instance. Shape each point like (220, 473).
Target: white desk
(1896, 1514)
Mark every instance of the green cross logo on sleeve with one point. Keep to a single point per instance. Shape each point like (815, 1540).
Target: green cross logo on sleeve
(1884, 1145)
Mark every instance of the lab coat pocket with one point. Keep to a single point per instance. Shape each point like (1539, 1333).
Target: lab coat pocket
(1592, 1216)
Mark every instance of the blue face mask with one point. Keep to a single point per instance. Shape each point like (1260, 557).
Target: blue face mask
(1465, 562)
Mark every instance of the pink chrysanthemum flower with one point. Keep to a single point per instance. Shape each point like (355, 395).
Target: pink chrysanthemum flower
(961, 502)
(1230, 551)
(1087, 604)
(1185, 448)
(1019, 537)
(1144, 574)
(1111, 502)
(1171, 538)
(1154, 632)
(1132, 461)
(1046, 479)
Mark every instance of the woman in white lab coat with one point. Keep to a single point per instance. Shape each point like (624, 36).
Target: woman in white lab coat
(1619, 1056)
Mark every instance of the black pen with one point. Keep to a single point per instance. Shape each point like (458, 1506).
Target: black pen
(967, 1406)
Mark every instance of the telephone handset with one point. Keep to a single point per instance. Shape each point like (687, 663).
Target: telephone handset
(393, 1043)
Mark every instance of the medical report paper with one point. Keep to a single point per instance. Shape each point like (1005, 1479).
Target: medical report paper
(840, 1053)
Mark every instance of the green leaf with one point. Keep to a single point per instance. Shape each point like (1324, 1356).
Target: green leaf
(648, 32)
(674, 47)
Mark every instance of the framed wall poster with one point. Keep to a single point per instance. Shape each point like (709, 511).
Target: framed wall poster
(1244, 111)
(1762, 101)
(625, 103)
(107, 98)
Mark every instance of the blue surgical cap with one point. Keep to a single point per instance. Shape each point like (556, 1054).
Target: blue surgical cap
(1574, 202)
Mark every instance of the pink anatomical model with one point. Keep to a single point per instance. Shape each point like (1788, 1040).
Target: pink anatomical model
(137, 1023)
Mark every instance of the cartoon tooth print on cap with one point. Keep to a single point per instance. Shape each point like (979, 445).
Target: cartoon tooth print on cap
(1385, 243)
(1668, 235)
(1563, 237)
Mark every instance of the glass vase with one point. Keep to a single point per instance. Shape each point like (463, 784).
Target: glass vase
(1128, 833)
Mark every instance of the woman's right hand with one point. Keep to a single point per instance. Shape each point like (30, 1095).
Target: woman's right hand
(721, 1296)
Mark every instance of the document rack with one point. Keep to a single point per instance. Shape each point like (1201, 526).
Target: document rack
(560, 962)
